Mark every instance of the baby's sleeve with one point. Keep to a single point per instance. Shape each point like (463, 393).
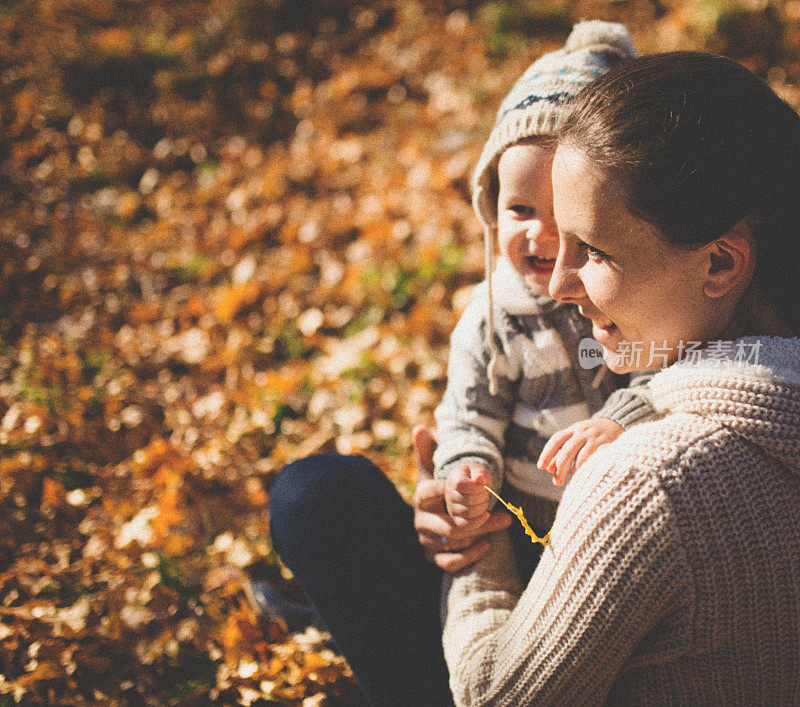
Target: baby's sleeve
(632, 405)
(471, 422)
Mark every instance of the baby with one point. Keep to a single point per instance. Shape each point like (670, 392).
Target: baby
(513, 374)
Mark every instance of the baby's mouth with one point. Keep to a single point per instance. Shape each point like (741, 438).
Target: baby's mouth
(540, 265)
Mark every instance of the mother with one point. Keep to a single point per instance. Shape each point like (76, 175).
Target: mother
(673, 573)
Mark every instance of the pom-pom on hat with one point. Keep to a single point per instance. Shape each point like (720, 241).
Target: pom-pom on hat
(536, 105)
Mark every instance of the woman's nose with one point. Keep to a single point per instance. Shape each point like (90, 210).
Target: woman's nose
(565, 284)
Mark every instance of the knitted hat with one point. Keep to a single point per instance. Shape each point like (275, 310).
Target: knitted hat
(536, 105)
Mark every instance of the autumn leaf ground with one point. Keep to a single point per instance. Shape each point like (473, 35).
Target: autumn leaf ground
(233, 234)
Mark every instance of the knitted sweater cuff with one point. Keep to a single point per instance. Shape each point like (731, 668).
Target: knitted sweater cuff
(632, 405)
(627, 409)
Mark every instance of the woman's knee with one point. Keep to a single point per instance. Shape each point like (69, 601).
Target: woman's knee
(309, 494)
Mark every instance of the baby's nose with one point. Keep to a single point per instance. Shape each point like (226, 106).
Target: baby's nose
(540, 230)
(535, 230)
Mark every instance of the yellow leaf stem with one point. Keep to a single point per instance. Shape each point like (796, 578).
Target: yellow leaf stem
(518, 513)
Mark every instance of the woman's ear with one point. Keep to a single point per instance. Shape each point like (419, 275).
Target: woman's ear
(729, 262)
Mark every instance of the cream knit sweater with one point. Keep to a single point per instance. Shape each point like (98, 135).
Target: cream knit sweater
(673, 571)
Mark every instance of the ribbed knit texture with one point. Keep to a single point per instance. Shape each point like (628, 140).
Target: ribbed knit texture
(673, 571)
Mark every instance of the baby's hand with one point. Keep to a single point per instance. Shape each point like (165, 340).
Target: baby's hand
(466, 498)
(576, 444)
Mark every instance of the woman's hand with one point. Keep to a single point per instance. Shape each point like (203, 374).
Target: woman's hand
(445, 545)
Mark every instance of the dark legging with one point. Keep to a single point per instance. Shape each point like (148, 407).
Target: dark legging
(341, 527)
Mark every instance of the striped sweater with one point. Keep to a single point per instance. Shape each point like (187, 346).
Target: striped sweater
(541, 387)
(673, 571)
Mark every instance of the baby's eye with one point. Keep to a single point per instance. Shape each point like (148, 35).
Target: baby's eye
(593, 253)
(522, 210)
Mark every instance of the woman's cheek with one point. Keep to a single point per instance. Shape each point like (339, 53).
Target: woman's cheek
(600, 287)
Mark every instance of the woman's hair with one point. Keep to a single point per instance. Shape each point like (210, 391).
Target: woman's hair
(698, 143)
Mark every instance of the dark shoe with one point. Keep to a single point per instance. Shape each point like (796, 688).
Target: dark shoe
(271, 605)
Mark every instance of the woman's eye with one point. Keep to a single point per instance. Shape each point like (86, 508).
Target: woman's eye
(592, 252)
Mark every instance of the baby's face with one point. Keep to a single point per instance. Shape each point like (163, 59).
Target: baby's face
(526, 229)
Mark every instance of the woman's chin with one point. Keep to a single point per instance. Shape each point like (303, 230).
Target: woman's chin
(618, 357)
(618, 363)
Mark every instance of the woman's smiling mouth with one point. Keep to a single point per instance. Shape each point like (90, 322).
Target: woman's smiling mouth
(603, 332)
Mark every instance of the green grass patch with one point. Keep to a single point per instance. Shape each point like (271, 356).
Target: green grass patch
(50, 396)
